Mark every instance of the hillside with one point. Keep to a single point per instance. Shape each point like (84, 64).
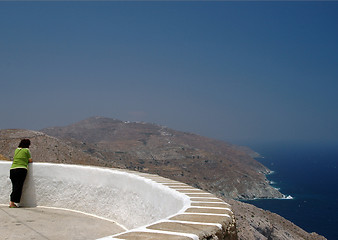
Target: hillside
(256, 223)
(212, 165)
(43, 148)
(252, 222)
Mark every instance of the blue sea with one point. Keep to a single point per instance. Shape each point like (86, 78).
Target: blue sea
(309, 173)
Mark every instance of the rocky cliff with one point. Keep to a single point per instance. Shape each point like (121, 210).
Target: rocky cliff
(256, 223)
(252, 222)
(209, 164)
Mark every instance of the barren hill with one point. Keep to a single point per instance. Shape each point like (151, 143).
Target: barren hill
(212, 165)
(44, 148)
(184, 151)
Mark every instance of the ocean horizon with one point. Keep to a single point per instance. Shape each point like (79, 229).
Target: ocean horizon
(308, 173)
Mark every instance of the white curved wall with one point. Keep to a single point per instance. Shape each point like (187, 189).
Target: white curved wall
(127, 198)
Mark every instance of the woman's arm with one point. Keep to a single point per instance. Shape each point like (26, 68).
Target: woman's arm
(30, 160)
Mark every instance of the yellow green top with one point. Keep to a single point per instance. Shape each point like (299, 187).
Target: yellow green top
(21, 158)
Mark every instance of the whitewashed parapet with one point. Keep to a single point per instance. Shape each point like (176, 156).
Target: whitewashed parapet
(147, 206)
(206, 217)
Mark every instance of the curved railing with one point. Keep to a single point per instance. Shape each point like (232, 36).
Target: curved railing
(146, 205)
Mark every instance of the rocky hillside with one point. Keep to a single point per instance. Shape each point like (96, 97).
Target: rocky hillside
(252, 222)
(212, 165)
(43, 148)
(256, 223)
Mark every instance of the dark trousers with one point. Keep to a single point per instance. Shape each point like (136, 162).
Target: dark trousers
(17, 176)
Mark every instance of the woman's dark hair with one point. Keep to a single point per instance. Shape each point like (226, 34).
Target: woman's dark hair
(24, 143)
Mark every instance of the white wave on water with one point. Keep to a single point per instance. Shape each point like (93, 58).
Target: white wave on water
(286, 197)
(289, 197)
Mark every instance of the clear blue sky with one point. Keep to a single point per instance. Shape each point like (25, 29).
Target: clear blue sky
(241, 72)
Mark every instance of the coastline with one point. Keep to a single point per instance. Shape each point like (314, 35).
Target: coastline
(274, 185)
(308, 174)
(268, 172)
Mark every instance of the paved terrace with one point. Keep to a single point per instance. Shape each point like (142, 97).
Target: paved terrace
(40, 223)
(80, 202)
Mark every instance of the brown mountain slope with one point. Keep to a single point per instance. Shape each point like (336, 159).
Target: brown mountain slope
(252, 222)
(43, 148)
(256, 223)
(209, 164)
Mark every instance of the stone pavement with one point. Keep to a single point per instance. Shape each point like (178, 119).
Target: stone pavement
(50, 224)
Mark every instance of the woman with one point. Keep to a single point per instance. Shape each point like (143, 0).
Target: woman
(18, 171)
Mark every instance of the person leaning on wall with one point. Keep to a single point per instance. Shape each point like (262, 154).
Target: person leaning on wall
(18, 171)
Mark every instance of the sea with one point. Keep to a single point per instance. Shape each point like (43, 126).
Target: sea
(308, 172)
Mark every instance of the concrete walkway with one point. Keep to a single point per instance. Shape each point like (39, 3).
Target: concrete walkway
(48, 224)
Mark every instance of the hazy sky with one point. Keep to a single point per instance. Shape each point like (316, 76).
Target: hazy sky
(241, 72)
